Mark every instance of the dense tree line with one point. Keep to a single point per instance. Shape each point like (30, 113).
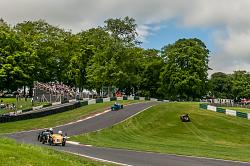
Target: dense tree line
(232, 86)
(108, 56)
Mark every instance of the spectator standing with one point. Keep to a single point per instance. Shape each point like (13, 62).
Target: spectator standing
(32, 101)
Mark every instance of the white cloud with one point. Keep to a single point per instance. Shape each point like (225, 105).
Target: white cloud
(143, 32)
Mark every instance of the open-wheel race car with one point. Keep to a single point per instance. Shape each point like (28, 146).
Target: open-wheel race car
(185, 118)
(116, 107)
(44, 135)
(57, 139)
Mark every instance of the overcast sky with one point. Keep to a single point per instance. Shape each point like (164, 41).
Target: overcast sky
(223, 25)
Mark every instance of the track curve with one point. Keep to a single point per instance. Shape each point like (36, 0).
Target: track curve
(126, 157)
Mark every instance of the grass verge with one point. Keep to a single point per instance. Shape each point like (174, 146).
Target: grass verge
(159, 129)
(21, 104)
(15, 154)
(57, 119)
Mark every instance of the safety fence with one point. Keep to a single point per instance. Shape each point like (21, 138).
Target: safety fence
(225, 111)
(59, 107)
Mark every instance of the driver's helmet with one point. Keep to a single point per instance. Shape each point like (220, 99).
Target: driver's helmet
(60, 132)
(50, 129)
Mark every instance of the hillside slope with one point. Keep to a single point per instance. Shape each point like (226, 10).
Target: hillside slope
(159, 129)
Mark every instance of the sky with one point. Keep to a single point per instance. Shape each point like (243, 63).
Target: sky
(223, 25)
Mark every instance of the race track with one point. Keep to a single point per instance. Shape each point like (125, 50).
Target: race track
(125, 157)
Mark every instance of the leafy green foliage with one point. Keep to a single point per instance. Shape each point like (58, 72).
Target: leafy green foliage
(123, 30)
(51, 45)
(235, 86)
(16, 60)
(241, 84)
(106, 56)
(221, 85)
(152, 66)
(185, 73)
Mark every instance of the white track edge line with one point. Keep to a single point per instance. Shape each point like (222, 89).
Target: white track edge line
(124, 119)
(175, 155)
(179, 155)
(216, 159)
(89, 117)
(73, 143)
(98, 159)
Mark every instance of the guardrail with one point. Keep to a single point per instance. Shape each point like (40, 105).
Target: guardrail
(54, 108)
(225, 111)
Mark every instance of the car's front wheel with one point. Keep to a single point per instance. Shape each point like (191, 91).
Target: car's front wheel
(63, 143)
(50, 142)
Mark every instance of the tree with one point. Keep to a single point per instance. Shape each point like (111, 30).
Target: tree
(185, 72)
(115, 61)
(122, 29)
(221, 85)
(152, 66)
(241, 84)
(51, 45)
(16, 60)
(119, 68)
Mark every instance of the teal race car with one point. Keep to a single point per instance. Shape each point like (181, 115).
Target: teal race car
(116, 107)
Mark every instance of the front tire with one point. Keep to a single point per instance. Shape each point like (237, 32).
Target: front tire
(50, 142)
(63, 143)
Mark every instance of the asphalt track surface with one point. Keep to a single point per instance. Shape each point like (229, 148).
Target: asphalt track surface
(121, 156)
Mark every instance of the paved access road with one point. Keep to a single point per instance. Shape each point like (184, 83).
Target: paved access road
(118, 155)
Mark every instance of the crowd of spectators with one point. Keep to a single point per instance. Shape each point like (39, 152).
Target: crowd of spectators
(56, 88)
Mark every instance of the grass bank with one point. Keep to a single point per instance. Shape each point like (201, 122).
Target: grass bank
(14, 154)
(20, 104)
(57, 119)
(159, 129)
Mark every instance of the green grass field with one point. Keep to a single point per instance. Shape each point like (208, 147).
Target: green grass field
(247, 110)
(159, 129)
(57, 119)
(20, 104)
(15, 154)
